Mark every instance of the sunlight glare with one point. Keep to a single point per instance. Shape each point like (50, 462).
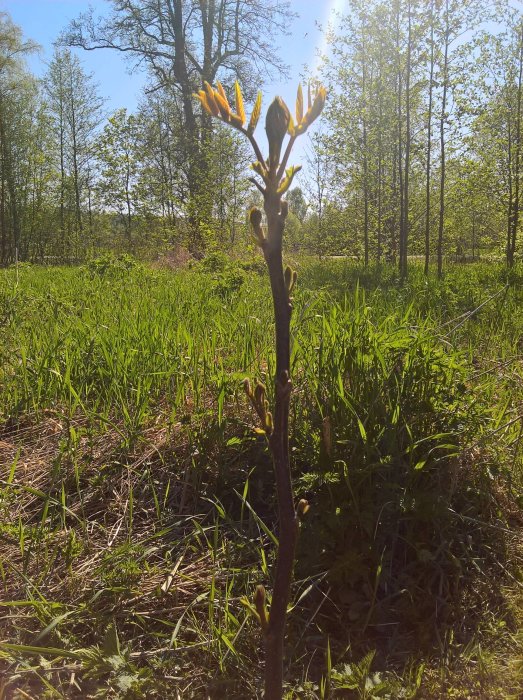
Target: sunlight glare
(334, 7)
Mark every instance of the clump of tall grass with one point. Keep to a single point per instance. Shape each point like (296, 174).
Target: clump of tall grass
(401, 504)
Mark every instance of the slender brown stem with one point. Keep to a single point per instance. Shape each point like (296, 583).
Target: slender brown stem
(285, 158)
(279, 446)
(271, 171)
(253, 143)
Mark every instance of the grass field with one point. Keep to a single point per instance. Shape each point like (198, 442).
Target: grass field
(136, 499)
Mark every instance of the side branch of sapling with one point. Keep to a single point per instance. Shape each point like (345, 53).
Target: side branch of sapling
(278, 124)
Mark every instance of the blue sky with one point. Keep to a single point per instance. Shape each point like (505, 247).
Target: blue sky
(42, 21)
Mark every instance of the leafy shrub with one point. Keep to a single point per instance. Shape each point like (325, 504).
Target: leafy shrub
(228, 282)
(216, 261)
(111, 266)
(256, 265)
(227, 275)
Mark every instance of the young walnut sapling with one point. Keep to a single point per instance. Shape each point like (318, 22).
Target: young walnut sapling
(276, 179)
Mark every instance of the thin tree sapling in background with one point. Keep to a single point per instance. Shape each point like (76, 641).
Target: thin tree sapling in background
(276, 180)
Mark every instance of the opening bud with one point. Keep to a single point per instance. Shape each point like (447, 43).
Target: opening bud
(276, 125)
(290, 276)
(247, 387)
(259, 393)
(303, 507)
(255, 217)
(261, 609)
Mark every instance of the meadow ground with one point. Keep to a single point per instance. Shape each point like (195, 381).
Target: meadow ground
(136, 498)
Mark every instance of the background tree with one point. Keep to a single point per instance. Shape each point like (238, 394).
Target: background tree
(185, 43)
(76, 110)
(231, 189)
(117, 153)
(319, 170)
(428, 162)
(298, 204)
(18, 96)
(496, 131)
(40, 210)
(163, 169)
(455, 20)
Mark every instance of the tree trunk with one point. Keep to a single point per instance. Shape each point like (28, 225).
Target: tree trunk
(510, 203)
(3, 223)
(365, 153)
(197, 206)
(62, 167)
(128, 203)
(514, 218)
(473, 236)
(442, 142)
(404, 237)
(401, 184)
(429, 144)
(76, 173)
(379, 236)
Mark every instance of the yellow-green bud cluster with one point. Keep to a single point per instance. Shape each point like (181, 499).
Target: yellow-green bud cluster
(261, 607)
(290, 277)
(260, 404)
(255, 219)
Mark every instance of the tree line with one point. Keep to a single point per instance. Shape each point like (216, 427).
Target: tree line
(419, 153)
(73, 181)
(423, 145)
